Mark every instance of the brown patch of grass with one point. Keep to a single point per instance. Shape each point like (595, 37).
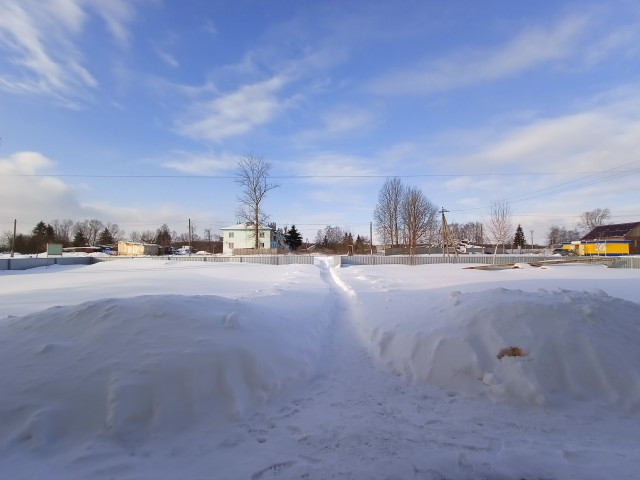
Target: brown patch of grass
(511, 352)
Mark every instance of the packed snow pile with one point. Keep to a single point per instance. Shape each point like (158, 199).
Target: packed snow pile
(127, 369)
(537, 348)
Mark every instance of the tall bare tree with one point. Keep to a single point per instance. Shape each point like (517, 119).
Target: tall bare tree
(499, 224)
(418, 216)
(253, 177)
(63, 230)
(386, 215)
(590, 220)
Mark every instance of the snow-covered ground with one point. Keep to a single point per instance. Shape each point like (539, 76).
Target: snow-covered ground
(145, 369)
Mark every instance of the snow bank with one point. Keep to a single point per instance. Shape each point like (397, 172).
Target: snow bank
(131, 368)
(536, 348)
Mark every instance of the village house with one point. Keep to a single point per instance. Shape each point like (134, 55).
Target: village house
(242, 236)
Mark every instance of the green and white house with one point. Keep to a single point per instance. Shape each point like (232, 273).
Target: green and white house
(243, 236)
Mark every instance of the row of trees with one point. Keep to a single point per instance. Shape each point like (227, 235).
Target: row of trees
(94, 232)
(405, 216)
(66, 232)
(337, 240)
(587, 222)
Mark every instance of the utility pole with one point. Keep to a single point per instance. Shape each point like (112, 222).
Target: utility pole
(13, 242)
(371, 236)
(445, 246)
(531, 240)
(189, 237)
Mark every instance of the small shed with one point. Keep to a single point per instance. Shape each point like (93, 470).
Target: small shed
(137, 249)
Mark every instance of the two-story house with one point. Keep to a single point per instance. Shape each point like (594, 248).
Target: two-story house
(243, 236)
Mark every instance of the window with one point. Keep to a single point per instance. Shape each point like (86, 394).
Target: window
(230, 234)
(230, 244)
(262, 245)
(261, 235)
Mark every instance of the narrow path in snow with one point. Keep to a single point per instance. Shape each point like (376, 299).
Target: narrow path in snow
(354, 419)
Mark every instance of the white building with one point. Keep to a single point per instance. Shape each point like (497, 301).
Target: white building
(243, 236)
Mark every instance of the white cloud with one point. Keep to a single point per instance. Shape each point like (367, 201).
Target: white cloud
(330, 168)
(200, 163)
(26, 193)
(167, 58)
(41, 42)
(117, 15)
(235, 113)
(529, 49)
(24, 163)
(29, 195)
(340, 121)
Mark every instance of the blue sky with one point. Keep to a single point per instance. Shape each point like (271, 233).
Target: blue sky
(136, 112)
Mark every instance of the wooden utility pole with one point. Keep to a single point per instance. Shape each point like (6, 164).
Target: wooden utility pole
(445, 236)
(189, 237)
(13, 242)
(445, 246)
(371, 236)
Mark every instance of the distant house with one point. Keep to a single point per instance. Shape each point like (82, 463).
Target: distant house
(243, 236)
(619, 239)
(136, 249)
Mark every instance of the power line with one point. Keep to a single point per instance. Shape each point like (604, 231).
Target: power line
(303, 177)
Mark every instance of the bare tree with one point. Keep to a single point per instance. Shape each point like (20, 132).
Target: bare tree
(253, 177)
(418, 216)
(148, 236)
(90, 229)
(63, 230)
(386, 215)
(116, 232)
(557, 234)
(499, 224)
(590, 220)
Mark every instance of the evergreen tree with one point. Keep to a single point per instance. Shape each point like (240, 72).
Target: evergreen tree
(519, 240)
(105, 237)
(163, 236)
(359, 247)
(42, 234)
(293, 238)
(79, 239)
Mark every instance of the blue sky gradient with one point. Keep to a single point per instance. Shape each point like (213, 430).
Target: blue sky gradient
(136, 112)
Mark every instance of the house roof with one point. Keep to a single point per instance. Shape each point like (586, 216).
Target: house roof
(610, 231)
(244, 226)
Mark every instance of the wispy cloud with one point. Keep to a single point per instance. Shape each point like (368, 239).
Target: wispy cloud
(529, 49)
(340, 121)
(332, 168)
(234, 113)
(200, 163)
(117, 15)
(39, 40)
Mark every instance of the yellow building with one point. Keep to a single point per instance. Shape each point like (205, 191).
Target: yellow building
(617, 239)
(608, 248)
